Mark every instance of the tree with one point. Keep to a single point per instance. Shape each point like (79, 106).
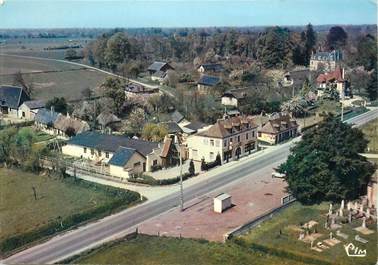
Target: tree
(70, 132)
(326, 165)
(18, 80)
(274, 48)
(87, 93)
(136, 121)
(295, 106)
(191, 168)
(70, 54)
(367, 52)
(117, 49)
(372, 88)
(154, 132)
(59, 104)
(310, 42)
(336, 38)
(114, 88)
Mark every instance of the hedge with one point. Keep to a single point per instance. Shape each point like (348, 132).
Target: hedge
(280, 253)
(145, 179)
(124, 198)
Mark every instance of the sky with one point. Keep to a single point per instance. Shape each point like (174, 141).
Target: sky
(182, 13)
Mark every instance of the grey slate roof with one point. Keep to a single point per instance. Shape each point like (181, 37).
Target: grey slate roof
(159, 66)
(106, 118)
(46, 117)
(35, 104)
(216, 67)
(111, 143)
(195, 125)
(121, 156)
(172, 127)
(12, 96)
(208, 80)
(177, 116)
(327, 56)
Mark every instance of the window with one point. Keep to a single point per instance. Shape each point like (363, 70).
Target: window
(205, 141)
(225, 143)
(107, 154)
(211, 142)
(99, 153)
(238, 138)
(195, 153)
(92, 151)
(211, 156)
(230, 140)
(137, 164)
(85, 150)
(246, 136)
(217, 143)
(253, 134)
(154, 163)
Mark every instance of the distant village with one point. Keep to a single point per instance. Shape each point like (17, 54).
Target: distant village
(231, 137)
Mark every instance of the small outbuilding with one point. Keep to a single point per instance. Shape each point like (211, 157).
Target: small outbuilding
(222, 202)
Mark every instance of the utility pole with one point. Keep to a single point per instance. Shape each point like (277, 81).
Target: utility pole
(181, 184)
(178, 147)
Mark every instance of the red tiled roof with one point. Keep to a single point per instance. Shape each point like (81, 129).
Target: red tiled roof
(336, 75)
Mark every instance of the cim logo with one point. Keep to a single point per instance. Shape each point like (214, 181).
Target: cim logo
(353, 251)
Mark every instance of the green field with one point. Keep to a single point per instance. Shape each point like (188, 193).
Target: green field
(37, 46)
(371, 131)
(50, 78)
(267, 235)
(163, 250)
(57, 200)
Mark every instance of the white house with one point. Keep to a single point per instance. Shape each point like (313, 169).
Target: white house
(231, 138)
(30, 108)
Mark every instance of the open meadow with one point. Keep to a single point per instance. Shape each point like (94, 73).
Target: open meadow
(50, 78)
(26, 216)
(41, 47)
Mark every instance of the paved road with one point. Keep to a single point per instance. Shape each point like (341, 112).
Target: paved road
(75, 241)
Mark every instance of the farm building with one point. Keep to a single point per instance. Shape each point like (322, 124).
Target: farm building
(30, 108)
(11, 98)
(206, 81)
(58, 124)
(210, 67)
(158, 70)
(125, 156)
(234, 97)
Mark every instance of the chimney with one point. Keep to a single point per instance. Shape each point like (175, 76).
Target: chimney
(342, 73)
(52, 110)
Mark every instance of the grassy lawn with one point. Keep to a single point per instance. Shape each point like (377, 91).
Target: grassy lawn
(268, 235)
(163, 250)
(371, 131)
(57, 200)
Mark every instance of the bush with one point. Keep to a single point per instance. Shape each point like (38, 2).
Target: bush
(148, 180)
(206, 166)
